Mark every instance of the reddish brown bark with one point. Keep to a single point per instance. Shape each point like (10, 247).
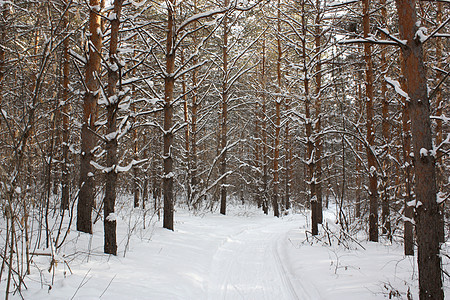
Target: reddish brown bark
(276, 176)
(358, 149)
(88, 140)
(310, 163)
(224, 118)
(257, 150)
(193, 136)
(136, 190)
(386, 223)
(186, 133)
(2, 51)
(439, 99)
(318, 119)
(264, 154)
(408, 230)
(109, 221)
(65, 184)
(169, 82)
(439, 103)
(427, 214)
(288, 161)
(65, 120)
(373, 189)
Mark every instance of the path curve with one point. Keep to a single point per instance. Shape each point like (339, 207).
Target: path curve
(248, 265)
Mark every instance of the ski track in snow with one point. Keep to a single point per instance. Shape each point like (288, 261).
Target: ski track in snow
(249, 266)
(244, 255)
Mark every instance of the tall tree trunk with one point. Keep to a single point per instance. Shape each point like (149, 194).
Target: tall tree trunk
(135, 169)
(288, 161)
(187, 150)
(110, 246)
(169, 82)
(408, 230)
(265, 205)
(385, 211)
(3, 32)
(257, 139)
(224, 117)
(439, 108)
(135, 142)
(318, 108)
(427, 214)
(191, 134)
(65, 183)
(193, 137)
(88, 140)
(309, 133)
(358, 150)
(372, 166)
(278, 100)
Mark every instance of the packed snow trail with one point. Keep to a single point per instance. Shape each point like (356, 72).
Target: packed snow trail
(248, 266)
(244, 255)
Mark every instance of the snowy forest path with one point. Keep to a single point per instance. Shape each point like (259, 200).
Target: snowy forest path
(244, 255)
(250, 265)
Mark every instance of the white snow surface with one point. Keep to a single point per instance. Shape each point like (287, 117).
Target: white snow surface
(243, 255)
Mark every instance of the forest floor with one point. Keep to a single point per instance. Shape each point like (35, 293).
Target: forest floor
(244, 255)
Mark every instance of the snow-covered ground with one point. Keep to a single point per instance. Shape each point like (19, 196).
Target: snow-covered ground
(244, 255)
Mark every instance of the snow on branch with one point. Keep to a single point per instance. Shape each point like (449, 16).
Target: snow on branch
(438, 86)
(175, 127)
(371, 40)
(442, 1)
(386, 32)
(434, 33)
(154, 124)
(396, 85)
(117, 168)
(442, 197)
(77, 56)
(179, 74)
(421, 34)
(101, 168)
(442, 118)
(130, 165)
(237, 5)
(437, 149)
(218, 180)
(338, 4)
(137, 4)
(202, 15)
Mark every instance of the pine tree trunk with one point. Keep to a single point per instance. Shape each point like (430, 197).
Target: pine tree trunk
(385, 211)
(187, 150)
(309, 132)
(193, 138)
(427, 214)
(65, 183)
(110, 246)
(288, 162)
(265, 205)
(169, 82)
(318, 107)
(439, 132)
(257, 149)
(276, 176)
(358, 150)
(224, 118)
(408, 230)
(88, 140)
(373, 182)
(3, 32)
(136, 189)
